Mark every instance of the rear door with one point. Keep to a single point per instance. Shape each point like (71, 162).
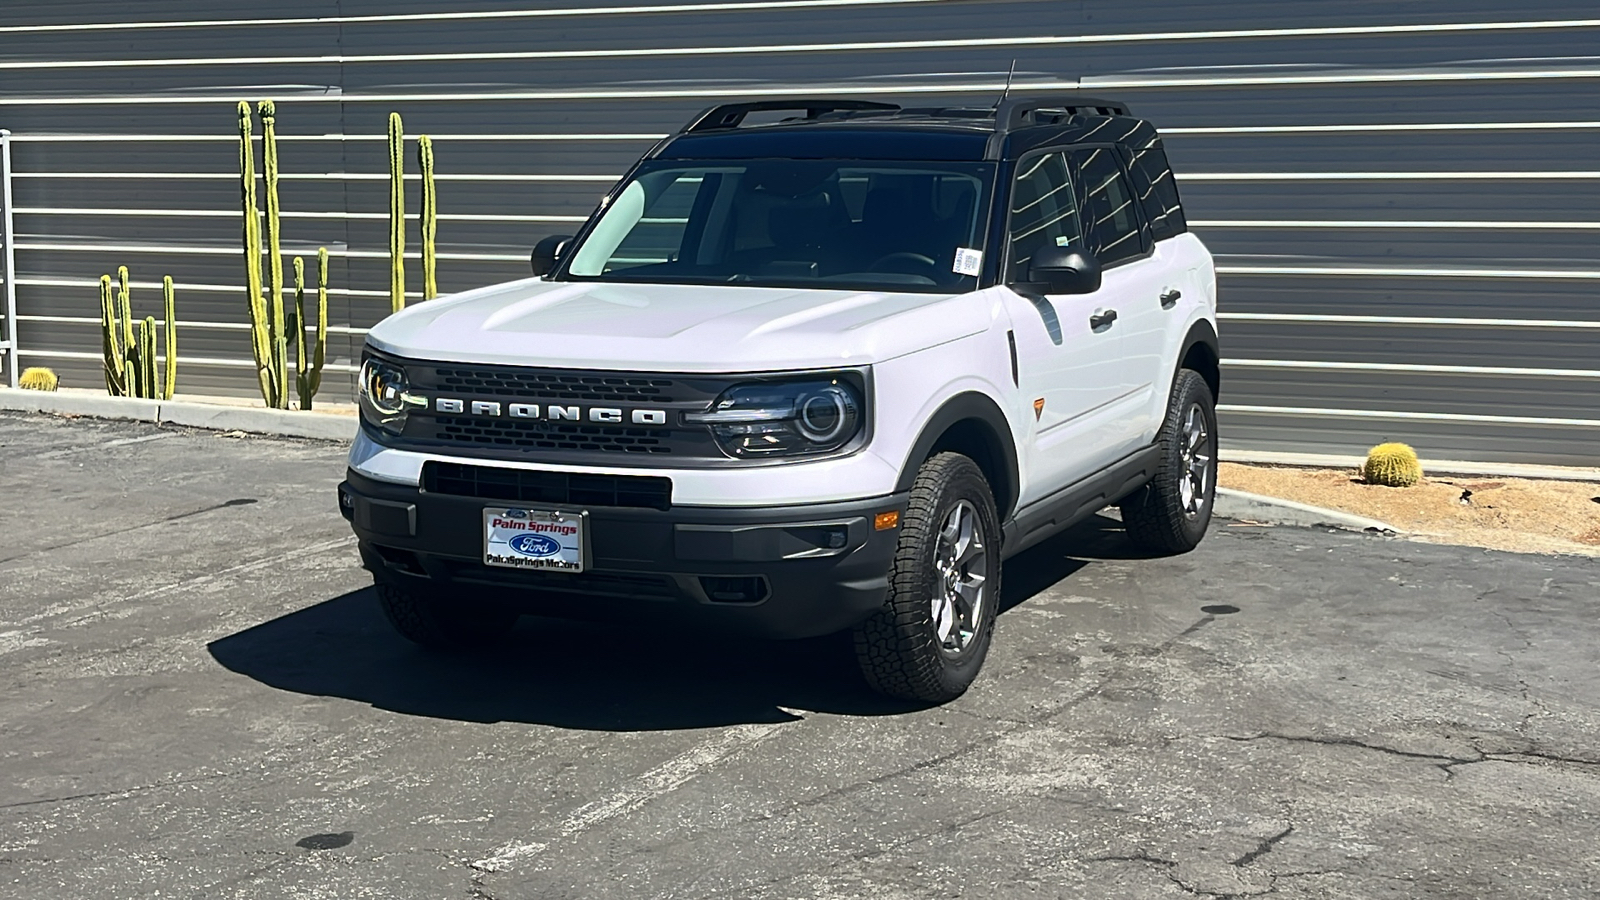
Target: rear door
(1134, 278)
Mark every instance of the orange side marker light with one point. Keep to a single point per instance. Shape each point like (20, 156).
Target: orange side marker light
(886, 520)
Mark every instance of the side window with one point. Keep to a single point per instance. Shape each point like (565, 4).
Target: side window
(1044, 212)
(1158, 192)
(1109, 216)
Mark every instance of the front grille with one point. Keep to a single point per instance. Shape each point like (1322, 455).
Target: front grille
(554, 488)
(541, 439)
(509, 382)
(539, 435)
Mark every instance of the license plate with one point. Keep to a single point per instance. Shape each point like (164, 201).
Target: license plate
(521, 538)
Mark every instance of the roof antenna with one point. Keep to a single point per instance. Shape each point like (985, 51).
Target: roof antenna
(1007, 89)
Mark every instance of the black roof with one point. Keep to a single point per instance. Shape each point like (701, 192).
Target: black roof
(858, 129)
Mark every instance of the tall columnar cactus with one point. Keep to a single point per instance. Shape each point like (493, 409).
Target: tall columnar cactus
(430, 219)
(397, 213)
(128, 348)
(269, 165)
(111, 346)
(144, 360)
(260, 330)
(308, 374)
(125, 310)
(1392, 465)
(169, 312)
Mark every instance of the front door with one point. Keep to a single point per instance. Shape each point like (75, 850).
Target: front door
(1068, 350)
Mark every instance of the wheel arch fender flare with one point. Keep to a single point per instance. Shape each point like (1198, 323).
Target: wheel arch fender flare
(970, 423)
(1201, 351)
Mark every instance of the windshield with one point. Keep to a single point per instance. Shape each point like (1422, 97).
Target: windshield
(847, 224)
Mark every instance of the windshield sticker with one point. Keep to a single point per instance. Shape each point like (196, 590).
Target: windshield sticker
(968, 261)
(1063, 240)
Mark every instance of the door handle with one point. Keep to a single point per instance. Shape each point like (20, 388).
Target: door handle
(1169, 299)
(1103, 319)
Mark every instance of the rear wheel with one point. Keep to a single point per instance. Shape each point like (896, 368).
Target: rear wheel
(929, 640)
(1171, 513)
(443, 620)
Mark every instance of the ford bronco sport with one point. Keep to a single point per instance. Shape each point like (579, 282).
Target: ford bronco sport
(811, 366)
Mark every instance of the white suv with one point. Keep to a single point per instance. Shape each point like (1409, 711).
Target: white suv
(802, 375)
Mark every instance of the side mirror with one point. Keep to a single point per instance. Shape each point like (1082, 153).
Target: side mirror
(1064, 270)
(547, 253)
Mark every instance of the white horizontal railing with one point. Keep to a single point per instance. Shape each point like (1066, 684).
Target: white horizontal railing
(1413, 272)
(59, 138)
(194, 250)
(313, 176)
(1195, 131)
(1424, 321)
(206, 361)
(1518, 175)
(1485, 419)
(1418, 368)
(1387, 224)
(335, 94)
(286, 214)
(770, 49)
(1376, 224)
(88, 284)
(740, 6)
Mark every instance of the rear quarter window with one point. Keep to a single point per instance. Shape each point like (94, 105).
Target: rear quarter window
(1157, 191)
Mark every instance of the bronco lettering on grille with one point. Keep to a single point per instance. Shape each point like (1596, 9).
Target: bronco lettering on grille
(553, 412)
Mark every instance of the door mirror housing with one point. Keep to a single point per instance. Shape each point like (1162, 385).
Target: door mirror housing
(1064, 270)
(548, 252)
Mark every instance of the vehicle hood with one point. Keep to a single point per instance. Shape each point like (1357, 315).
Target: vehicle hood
(676, 328)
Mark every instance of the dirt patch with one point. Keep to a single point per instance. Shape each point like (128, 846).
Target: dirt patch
(1520, 514)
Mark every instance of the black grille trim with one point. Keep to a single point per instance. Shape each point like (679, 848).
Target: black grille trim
(510, 382)
(533, 486)
(540, 435)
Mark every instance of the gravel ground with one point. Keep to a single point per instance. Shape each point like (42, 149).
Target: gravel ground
(198, 698)
(1520, 514)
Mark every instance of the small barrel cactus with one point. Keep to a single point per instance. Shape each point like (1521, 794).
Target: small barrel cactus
(1392, 465)
(38, 379)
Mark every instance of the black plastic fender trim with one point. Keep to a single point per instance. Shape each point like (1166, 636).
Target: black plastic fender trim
(962, 407)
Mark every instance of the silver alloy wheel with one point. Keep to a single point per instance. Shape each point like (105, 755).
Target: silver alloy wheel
(1196, 452)
(961, 561)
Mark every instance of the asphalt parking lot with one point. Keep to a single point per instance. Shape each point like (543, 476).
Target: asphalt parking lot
(199, 698)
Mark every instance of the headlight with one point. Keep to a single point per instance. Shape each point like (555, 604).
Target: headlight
(382, 395)
(784, 418)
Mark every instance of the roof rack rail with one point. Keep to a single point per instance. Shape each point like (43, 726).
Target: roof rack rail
(1019, 113)
(729, 115)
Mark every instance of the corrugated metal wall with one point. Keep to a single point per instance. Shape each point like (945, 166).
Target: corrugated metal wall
(1401, 194)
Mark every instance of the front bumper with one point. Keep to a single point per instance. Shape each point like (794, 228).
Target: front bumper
(784, 572)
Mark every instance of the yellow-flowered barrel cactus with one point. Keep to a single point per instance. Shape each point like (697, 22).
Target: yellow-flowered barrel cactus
(38, 379)
(1392, 465)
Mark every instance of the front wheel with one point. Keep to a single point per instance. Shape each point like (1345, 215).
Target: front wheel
(930, 638)
(1171, 513)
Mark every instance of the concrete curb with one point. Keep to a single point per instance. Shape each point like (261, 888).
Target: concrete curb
(1232, 504)
(278, 422)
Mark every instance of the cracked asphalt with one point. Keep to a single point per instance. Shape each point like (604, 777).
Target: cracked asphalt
(199, 698)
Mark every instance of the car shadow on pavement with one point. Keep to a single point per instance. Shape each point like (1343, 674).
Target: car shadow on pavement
(592, 676)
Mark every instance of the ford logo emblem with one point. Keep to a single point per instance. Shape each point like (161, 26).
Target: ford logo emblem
(535, 545)
(516, 514)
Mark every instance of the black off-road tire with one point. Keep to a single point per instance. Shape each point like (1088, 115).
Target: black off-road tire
(441, 620)
(1155, 515)
(898, 649)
